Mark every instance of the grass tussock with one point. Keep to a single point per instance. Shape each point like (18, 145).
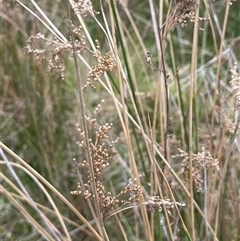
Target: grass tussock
(121, 114)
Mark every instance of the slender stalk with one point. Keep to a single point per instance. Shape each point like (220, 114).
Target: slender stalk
(193, 82)
(98, 218)
(217, 93)
(205, 202)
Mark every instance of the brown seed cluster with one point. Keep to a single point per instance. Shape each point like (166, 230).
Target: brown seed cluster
(132, 188)
(79, 40)
(231, 126)
(33, 48)
(57, 50)
(155, 203)
(105, 63)
(202, 159)
(55, 64)
(102, 152)
(183, 10)
(83, 7)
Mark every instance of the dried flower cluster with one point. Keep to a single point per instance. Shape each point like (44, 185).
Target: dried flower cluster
(203, 159)
(31, 48)
(57, 49)
(105, 63)
(183, 10)
(83, 7)
(230, 126)
(79, 41)
(100, 158)
(55, 63)
(235, 86)
(155, 203)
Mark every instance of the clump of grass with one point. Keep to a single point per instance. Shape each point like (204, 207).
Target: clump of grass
(184, 101)
(100, 157)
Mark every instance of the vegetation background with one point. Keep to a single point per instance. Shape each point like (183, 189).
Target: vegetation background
(171, 89)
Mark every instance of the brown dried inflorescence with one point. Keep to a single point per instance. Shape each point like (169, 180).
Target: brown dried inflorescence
(155, 203)
(100, 156)
(203, 159)
(32, 47)
(184, 9)
(181, 11)
(83, 7)
(105, 63)
(57, 50)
